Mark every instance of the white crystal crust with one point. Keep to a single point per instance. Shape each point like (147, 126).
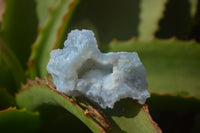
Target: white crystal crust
(81, 69)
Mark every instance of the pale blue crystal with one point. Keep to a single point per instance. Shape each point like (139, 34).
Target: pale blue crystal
(81, 69)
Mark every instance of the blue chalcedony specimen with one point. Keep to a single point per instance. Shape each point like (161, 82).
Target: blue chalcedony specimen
(81, 69)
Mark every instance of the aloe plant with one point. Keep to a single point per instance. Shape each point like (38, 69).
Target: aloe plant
(159, 30)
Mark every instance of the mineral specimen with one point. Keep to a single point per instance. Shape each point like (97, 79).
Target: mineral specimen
(81, 69)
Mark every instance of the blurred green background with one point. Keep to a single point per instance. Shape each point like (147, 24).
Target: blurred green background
(165, 33)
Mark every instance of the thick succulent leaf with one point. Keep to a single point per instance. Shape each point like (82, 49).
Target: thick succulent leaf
(20, 121)
(50, 36)
(19, 27)
(178, 19)
(150, 15)
(6, 100)
(39, 93)
(42, 9)
(126, 116)
(12, 62)
(172, 66)
(130, 117)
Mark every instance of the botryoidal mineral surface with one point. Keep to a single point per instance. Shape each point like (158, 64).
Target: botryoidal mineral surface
(81, 69)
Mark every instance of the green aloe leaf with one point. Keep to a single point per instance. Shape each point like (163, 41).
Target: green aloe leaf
(50, 36)
(150, 15)
(20, 121)
(126, 116)
(131, 117)
(41, 92)
(43, 8)
(12, 62)
(19, 27)
(172, 65)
